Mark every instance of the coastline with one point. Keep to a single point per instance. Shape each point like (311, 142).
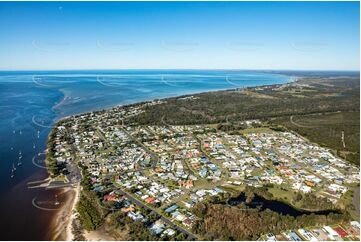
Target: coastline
(291, 80)
(62, 222)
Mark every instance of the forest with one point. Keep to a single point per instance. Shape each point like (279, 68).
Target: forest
(301, 97)
(220, 221)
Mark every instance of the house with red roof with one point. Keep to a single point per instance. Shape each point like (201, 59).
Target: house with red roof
(341, 232)
(111, 197)
(150, 200)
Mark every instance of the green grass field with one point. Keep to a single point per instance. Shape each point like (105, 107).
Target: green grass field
(280, 194)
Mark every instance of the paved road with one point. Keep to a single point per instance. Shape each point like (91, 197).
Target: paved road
(154, 155)
(163, 218)
(75, 176)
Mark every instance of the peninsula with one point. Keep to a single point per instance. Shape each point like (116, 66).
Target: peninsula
(283, 159)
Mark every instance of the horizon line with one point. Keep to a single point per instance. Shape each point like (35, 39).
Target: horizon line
(184, 69)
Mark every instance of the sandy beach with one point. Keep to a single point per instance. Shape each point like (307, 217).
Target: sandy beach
(62, 224)
(97, 236)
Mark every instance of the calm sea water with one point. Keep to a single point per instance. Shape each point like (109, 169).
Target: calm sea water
(30, 103)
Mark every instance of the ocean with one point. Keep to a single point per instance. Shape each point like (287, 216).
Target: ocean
(31, 102)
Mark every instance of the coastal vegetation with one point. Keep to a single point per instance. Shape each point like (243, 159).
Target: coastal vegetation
(77, 230)
(56, 167)
(52, 166)
(91, 214)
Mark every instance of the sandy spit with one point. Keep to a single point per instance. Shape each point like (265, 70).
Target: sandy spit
(62, 223)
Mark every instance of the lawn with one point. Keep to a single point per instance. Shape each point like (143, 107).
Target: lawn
(280, 194)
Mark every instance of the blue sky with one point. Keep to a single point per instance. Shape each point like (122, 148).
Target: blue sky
(180, 35)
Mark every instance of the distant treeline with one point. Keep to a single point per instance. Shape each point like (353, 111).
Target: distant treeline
(319, 95)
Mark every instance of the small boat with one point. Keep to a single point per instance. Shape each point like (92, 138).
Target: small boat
(33, 146)
(13, 131)
(11, 148)
(38, 134)
(20, 132)
(56, 203)
(12, 174)
(19, 162)
(20, 155)
(14, 168)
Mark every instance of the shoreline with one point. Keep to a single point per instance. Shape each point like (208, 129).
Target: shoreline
(292, 79)
(62, 221)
